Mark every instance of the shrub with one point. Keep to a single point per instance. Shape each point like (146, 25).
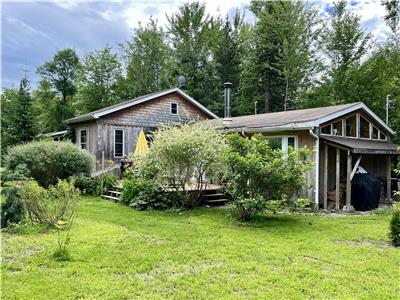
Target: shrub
(21, 172)
(143, 194)
(86, 185)
(256, 170)
(183, 158)
(49, 161)
(48, 207)
(395, 225)
(247, 208)
(12, 210)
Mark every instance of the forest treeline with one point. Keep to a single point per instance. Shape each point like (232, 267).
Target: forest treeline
(289, 58)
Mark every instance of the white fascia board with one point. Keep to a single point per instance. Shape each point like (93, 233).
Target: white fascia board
(291, 126)
(350, 109)
(196, 103)
(150, 97)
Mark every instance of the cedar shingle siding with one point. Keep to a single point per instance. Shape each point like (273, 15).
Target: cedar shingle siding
(148, 116)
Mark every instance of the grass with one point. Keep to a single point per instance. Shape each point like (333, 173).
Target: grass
(120, 253)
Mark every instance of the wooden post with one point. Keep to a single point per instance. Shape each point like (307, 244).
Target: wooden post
(325, 176)
(102, 173)
(388, 179)
(337, 179)
(348, 206)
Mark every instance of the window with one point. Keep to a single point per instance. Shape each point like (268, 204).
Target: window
(382, 136)
(326, 129)
(118, 143)
(364, 128)
(83, 138)
(174, 108)
(375, 133)
(338, 128)
(351, 125)
(275, 142)
(291, 142)
(282, 142)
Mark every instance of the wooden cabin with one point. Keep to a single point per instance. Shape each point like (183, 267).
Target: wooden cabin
(114, 130)
(344, 137)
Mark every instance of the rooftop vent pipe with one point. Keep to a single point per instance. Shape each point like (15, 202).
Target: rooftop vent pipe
(227, 102)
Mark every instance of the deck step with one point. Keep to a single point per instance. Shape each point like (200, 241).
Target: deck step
(213, 195)
(217, 201)
(110, 197)
(115, 192)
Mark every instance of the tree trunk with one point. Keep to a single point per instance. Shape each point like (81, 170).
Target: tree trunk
(267, 103)
(285, 104)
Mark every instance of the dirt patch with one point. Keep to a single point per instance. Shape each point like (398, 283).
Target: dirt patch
(353, 243)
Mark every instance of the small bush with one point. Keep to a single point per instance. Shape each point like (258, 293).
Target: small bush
(12, 210)
(247, 208)
(49, 161)
(86, 185)
(184, 159)
(48, 207)
(395, 226)
(143, 194)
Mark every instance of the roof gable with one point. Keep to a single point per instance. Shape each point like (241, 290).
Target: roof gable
(132, 102)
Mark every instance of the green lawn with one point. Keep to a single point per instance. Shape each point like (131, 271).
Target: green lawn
(120, 253)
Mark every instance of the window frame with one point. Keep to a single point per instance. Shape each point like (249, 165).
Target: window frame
(285, 141)
(357, 123)
(331, 129)
(80, 138)
(369, 129)
(123, 143)
(177, 109)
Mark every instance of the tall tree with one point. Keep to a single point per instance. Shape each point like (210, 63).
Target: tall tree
(18, 120)
(46, 107)
(8, 98)
(61, 72)
(282, 57)
(192, 33)
(229, 53)
(346, 44)
(98, 80)
(149, 61)
(392, 18)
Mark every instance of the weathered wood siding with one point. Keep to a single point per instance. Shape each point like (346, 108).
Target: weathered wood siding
(147, 116)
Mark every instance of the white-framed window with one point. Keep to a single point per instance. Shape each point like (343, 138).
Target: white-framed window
(283, 142)
(83, 139)
(119, 142)
(174, 108)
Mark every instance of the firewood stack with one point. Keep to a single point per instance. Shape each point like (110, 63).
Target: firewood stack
(332, 196)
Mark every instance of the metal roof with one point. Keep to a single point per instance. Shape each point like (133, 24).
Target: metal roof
(295, 119)
(363, 146)
(132, 102)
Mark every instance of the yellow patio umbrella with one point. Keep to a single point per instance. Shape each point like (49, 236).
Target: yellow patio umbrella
(141, 146)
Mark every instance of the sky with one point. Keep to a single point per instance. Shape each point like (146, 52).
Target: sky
(32, 31)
